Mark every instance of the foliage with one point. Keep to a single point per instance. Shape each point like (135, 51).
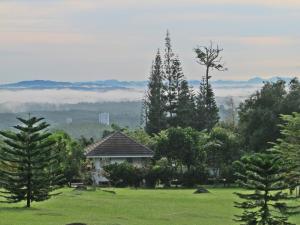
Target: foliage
(114, 128)
(267, 205)
(124, 174)
(195, 176)
(141, 137)
(155, 101)
(207, 112)
(185, 112)
(30, 161)
(71, 155)
(181, 146)
(164, 171)
(288, 147)
(169, 96)
(222, 147)
(260, 114)
(209, 57)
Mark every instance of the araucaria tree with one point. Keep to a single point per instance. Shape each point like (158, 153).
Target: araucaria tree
(169, 79)
(267, 205)
(186, 106)
(288, 147)
(173, 78)
(155, 100)
(207, 110)
(30, 172)
(210, 58)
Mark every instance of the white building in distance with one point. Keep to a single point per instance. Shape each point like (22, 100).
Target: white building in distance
(104, 118)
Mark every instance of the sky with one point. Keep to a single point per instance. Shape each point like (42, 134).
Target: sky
(80, 40)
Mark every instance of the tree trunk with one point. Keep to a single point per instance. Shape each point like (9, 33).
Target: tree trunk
(207, 78)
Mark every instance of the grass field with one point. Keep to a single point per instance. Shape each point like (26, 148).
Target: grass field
(128, 207)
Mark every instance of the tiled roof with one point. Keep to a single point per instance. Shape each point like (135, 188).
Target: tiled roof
(118, 144)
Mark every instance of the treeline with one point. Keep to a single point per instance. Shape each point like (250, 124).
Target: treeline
(170, 102)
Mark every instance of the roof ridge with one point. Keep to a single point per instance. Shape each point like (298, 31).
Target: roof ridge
(137, 142)
(98, 143)
(116, 142)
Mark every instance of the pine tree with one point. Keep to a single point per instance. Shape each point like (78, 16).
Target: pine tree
(267, 205)
(212, 110)
(200, 122)
(155, 100)
(175, 89)
(30, 160)
(288, 148)
(207, 112)
(170, 71)
(186, 106)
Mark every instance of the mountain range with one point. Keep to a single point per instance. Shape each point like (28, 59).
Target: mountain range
(117, 84)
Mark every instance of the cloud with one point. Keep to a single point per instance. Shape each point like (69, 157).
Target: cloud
(67, 96)
(18, 38)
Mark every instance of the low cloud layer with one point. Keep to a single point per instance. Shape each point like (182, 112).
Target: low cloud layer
(67, 96)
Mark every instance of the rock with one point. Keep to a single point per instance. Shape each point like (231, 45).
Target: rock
(201, 190)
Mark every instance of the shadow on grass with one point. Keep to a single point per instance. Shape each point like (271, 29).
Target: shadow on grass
(18, 209)
(38, 212)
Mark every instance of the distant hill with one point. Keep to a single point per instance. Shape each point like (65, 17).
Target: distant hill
(116, 84)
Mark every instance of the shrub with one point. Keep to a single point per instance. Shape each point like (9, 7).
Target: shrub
(194, 176)
(124, 174)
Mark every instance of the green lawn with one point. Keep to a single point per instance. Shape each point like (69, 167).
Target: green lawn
(127, 207)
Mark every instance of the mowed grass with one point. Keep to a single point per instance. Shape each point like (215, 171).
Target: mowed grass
(128, 207)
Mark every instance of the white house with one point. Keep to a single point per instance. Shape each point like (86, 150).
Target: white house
(116, 148)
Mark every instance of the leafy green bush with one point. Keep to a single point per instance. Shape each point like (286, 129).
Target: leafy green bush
(194, 176)
(124, 174)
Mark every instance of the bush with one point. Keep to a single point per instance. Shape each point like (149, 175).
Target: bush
(194, 176)
(124, 174)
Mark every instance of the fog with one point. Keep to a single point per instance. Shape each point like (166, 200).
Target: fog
(67, 96)
(17, 100)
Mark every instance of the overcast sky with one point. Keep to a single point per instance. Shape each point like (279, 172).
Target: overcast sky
(117, 39)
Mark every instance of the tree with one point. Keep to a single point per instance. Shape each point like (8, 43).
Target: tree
(140, 136)
(185, 112)
(259, 115)
(267, 205)
(222, 148)
(288, 147)
(71, 155)
(31, 162)
(155, 101)
(209, 57)
(207, 112)
(170, 70)
(181, 146)
(174, 90)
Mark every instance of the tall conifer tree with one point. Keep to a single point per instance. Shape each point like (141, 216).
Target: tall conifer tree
(207, 112)
(31, 170)
(175, 89)
(169, 72)
(155, 99)
(185, 113)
